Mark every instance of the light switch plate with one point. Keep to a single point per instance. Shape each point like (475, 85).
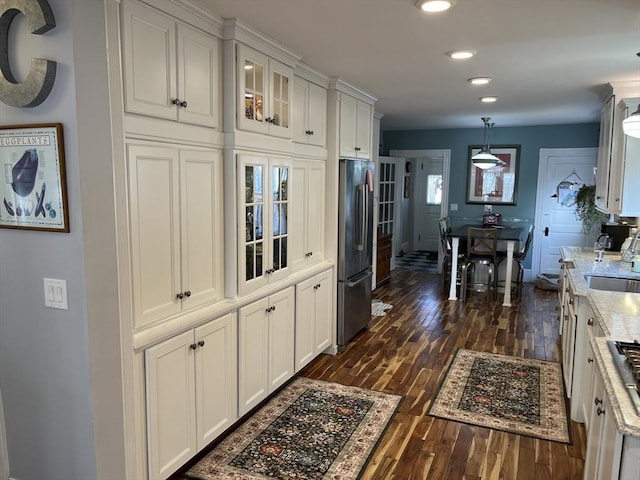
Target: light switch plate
(454, 207)
(55, 293)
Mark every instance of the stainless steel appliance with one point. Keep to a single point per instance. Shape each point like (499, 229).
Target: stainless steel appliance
(626, 357)
(355, 245)
(617, 232)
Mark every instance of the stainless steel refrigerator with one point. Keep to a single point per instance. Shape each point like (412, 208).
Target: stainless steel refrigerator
(355, 245)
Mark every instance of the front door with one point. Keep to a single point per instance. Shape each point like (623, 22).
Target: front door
(556, 223)
(427, 203)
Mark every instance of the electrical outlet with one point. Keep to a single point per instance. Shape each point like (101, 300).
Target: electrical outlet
(454, 207)
(55, 293)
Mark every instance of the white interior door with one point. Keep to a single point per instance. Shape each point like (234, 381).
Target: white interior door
(427, 203)
(556, 223)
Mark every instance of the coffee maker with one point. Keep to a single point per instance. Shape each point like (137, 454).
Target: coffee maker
(617, 232)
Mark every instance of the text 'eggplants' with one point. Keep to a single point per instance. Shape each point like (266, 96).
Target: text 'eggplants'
(24, 172)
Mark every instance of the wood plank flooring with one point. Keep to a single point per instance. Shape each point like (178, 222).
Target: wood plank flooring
(407, 352)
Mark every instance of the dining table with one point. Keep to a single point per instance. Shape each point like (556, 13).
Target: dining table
(508, 236)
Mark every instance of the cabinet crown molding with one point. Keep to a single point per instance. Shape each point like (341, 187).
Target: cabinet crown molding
(310, 74)
(190, 13)
(622, 89)
(340, 85)
(235, 29)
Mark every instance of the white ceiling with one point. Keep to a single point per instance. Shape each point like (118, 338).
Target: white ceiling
(549, 59)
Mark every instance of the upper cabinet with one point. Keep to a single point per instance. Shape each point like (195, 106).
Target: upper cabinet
(624, 195)
(351, 115)
(309, 116)
(171, 70)
(356, 119)
(604, 154)
(617, 161)
(258, 89)
(265, 91)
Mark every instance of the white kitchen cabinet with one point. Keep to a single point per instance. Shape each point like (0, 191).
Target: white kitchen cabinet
(175, 206)
(604, 154)
(356, 120)
(568, 337)
(604, 442)
(265, 347)
(307, 213)
(309, 116)
(624, 195)
(593, 330)
(263, 229)
(171, 70)
(191, 389)
(264, 93)
(314, 307)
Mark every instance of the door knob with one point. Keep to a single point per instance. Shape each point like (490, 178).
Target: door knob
(546, 231)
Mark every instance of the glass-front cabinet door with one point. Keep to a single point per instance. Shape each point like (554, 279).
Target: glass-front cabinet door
(264, 91)
(264, 230)
(281, 91)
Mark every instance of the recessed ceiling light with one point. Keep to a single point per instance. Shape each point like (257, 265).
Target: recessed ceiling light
(434, 6)
(488, 99)
(461, 54)
(479, 80)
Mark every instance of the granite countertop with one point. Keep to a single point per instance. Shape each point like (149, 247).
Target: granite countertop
(618, 314)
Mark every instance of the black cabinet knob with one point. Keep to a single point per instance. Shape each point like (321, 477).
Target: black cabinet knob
(201, 343)
(187, 293)
(180, 295)
(193, 346)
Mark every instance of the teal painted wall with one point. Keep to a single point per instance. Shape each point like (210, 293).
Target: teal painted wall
(530, 139)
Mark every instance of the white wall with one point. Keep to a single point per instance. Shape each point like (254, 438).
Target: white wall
(46, 371)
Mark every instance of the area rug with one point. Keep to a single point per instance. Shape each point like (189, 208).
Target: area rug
(517, 395)
(310, 430)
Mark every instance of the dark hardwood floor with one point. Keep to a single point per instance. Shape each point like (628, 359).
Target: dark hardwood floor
(407, 352)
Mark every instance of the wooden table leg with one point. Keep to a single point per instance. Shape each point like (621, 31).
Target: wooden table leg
(507, 280)
(454, 267)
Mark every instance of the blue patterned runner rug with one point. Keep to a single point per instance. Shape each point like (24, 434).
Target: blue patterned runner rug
(310, 430)
(518, 395)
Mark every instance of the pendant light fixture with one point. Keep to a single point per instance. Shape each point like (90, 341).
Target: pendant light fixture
(631, 124)
(484, 158)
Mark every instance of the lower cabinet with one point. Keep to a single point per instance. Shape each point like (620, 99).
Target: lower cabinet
(314, 307)
(265, 347)
(191, 385)
(604, 442)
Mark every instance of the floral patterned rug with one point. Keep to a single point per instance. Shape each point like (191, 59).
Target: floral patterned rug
(518, 395)
(310, 430)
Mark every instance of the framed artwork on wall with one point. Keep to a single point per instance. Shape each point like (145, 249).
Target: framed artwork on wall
(496, 185)
(34, 191)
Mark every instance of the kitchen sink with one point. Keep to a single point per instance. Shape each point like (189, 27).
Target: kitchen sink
(612, 284)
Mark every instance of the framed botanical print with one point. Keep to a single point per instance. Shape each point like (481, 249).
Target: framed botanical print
(496, 185)
(33, 189)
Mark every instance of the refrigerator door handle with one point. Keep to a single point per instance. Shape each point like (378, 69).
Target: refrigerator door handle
(363, 276)
(363, 220)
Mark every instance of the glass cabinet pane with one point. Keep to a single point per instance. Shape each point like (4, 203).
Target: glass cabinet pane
(280, 100)
(254, 221)
(280, 187)
(253, 91)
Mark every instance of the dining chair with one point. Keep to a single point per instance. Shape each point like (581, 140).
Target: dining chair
(519, 258)
(482, 245)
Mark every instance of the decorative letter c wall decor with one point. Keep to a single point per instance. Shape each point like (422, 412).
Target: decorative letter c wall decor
(42, 73)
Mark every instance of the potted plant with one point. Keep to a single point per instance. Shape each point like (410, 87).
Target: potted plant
(587, 212)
